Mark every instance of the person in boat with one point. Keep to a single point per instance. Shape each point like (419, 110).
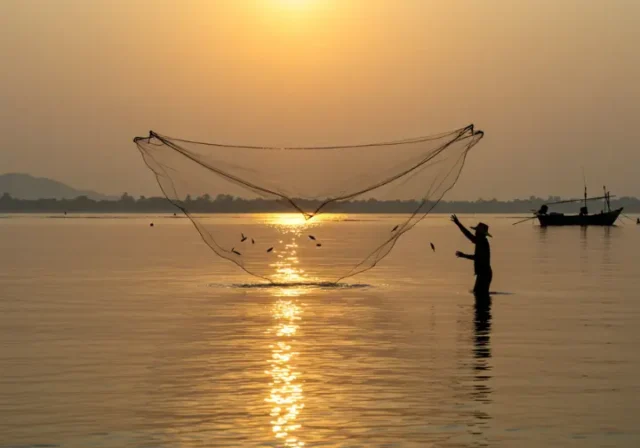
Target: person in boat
(481, 256)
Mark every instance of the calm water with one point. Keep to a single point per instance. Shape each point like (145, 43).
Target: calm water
(115, 334)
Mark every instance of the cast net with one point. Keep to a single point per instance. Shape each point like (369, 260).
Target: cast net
(306, 214)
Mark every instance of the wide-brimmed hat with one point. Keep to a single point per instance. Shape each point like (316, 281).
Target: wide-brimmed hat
(482, 228)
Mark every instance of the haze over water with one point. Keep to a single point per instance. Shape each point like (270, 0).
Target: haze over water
(116, 334)
(553, 83)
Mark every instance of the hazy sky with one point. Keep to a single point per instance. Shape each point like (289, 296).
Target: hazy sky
(554, 84)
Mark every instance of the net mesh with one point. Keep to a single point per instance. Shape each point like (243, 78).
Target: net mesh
(313, 231)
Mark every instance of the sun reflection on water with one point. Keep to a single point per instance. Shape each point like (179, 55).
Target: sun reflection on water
(285, 394)
(298, 220)
(286, 264)
(286, 267)
(294, 230)
(286, 397)
(287, 219)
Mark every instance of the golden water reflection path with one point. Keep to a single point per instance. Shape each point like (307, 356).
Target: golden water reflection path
(285, 386)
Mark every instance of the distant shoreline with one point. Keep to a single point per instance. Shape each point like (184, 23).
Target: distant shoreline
(180, 214)
(226, 204)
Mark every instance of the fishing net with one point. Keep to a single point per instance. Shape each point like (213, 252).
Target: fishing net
(309, 223)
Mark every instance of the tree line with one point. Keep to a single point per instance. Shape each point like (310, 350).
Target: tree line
(224, 203)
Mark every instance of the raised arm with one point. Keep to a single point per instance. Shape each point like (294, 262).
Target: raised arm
(463, 229)
(467, 256)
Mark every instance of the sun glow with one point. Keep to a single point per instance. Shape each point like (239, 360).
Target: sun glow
(297, 220)
(288, 219)
(295, 3)
(295, 9)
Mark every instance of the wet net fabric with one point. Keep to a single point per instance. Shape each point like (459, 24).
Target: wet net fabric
(313, 229)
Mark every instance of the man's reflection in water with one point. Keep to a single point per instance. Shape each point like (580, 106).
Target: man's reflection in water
(482, 333)
(481, 365)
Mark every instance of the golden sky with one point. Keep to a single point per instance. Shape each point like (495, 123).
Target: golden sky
(554, 84)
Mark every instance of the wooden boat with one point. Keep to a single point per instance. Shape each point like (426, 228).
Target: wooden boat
(606, 217)
(603, 218)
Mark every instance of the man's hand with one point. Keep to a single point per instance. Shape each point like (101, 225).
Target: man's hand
(459, 254)
(455, 219)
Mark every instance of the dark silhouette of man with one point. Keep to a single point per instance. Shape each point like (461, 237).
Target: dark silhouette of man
(481, 256)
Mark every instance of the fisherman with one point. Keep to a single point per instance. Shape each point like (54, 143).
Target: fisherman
(481, 257)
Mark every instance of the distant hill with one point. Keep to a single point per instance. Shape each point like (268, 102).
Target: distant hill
(25, 186)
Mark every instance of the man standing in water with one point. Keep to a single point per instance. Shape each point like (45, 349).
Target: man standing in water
(481, 257)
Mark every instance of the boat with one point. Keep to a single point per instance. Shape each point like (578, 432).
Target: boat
(607, 217)
(603, 218)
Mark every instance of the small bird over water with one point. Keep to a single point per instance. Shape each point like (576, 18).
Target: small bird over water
(318, 245)
(433, 247)
(270, 249)
(235, 251)
(395, 228)
(243, 239)
(311, 237)
(253, 241)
